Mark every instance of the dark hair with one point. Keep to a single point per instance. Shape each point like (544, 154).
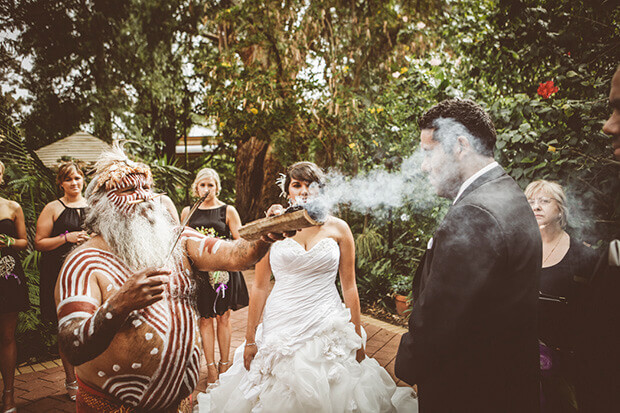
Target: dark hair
(304, 171)
(469, 114)
(65, 170)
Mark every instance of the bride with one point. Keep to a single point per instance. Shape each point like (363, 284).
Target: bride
(308, 353)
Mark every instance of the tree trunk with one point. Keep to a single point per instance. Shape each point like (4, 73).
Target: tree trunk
(256, 170)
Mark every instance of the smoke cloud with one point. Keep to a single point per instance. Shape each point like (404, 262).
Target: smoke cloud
(375, 192)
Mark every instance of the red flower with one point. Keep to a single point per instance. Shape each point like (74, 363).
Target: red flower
(547, 89)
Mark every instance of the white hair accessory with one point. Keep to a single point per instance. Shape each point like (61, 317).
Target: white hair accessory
(281, 181)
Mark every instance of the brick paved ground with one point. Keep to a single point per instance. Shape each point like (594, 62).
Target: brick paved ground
(40, 388)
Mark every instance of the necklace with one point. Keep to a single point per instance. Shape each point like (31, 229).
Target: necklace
(553, 249)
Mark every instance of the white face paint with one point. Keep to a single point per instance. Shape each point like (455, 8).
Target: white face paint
(131, 188)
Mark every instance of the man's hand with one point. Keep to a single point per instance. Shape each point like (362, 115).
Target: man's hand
(142, 289)
(248, 355)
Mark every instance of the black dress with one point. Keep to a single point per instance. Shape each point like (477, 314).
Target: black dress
(561, 326)
(13, 286)
(216, 300)
(70, 219)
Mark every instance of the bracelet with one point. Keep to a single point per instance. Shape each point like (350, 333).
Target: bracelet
(250, 344)
(65, 234)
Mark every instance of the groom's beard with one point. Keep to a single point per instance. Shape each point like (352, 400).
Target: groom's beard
(141, 237)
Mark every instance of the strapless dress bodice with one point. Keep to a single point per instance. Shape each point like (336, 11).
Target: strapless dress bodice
(305, 288)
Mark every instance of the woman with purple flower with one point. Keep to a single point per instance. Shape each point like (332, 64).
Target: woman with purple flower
(13, 291)
(224, 291)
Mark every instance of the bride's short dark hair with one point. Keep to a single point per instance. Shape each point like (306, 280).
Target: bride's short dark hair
(304, 171)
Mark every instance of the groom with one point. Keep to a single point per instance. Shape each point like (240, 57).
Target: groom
(472, 342)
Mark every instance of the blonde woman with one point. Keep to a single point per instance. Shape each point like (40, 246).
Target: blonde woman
(59, 229)
(13, 291)
(565, 261)
(224, 291)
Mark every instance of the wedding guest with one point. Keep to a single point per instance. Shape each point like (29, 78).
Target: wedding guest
(220, 291)
(612, 126)
(567, 265)
(602, 304)
(59, 229)
(13, 291)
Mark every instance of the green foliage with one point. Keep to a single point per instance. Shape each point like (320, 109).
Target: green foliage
(402, 285)
(368, 243)
(336, 82)
(119, 66)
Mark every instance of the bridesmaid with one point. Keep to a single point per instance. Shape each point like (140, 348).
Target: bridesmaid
(59, 229)
(13, 291)
(224, 290)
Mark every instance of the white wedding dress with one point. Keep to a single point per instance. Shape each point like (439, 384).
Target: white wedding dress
(306, 348)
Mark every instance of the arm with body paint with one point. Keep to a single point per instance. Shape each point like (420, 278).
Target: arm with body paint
(86, 326)
(212, 254)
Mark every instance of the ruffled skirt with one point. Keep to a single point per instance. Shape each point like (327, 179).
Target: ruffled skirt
(318, 373)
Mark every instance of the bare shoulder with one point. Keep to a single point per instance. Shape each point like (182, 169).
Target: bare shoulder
(337, 229)
(336, 224)
(9, 208)
(54, 207)
(13, 205)
(230, 209)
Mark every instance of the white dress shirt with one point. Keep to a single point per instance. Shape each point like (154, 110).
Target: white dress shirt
(472, 178)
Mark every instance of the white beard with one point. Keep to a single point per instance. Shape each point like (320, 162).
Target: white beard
(142, 238)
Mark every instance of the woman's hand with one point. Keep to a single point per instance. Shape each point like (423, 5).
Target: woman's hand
(6, 241)
(275, 209)
(76, 237)
(248, 355)
(360, 355)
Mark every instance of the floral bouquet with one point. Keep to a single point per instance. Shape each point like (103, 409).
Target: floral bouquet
(217, 279)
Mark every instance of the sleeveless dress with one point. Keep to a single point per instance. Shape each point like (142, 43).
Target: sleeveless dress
(561, 327)
(306, 348)
(70, 219)
(13, 286)
(215, 300)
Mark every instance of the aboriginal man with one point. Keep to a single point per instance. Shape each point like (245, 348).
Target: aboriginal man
(126, 312)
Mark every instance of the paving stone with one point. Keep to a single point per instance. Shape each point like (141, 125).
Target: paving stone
(25, 369)
(49, 364)
(38, 367)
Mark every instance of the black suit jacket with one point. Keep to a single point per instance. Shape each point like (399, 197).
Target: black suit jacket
(472, 344)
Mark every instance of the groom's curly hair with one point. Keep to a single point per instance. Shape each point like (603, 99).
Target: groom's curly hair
(469, 114)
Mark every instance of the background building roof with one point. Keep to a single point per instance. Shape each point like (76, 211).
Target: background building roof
(80, 146)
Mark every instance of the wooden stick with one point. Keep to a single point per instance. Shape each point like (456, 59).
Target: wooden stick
(138, 201)
(289, 221)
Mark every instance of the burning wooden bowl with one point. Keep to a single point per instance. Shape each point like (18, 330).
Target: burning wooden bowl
(289, 221)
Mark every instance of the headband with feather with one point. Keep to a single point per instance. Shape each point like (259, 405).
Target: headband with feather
(112, 166)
